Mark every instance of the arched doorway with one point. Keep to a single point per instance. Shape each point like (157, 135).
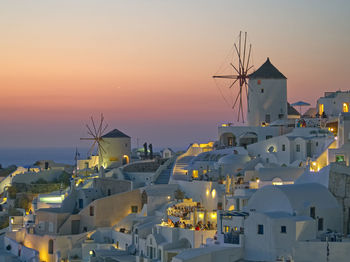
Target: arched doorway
(125, 159)
(248, 138)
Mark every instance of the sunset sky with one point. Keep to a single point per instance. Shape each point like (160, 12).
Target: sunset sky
(147, 65)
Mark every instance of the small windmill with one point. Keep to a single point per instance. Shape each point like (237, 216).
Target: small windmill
(241, 67)
(96, 136)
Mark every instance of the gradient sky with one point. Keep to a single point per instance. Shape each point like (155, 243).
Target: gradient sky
(147, 65)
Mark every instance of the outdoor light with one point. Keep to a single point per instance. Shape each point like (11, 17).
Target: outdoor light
(213, 193)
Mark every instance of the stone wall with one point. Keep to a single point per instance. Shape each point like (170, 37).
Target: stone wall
(339, 186)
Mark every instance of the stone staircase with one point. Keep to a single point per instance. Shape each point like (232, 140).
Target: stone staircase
(164, 176)
(181, 163)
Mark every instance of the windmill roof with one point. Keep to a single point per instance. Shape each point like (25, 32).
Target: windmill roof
(115, 133)
(267, 71)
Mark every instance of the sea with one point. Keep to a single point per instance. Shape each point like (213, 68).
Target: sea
(28, 156)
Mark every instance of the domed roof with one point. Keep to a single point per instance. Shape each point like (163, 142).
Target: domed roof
(290, 198)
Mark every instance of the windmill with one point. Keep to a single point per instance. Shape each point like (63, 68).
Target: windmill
(96, 136)
(237, 82)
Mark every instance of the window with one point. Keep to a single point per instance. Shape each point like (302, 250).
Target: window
(283, 229)
(126, 144)
(267, 118)
(280, 116)
(81, 203)
(320, 224)
(259, 82)
(283, 147)
(109, 192)
(262, 90)
(268, 137)
(227, 229)
(316, 143)
(313, 212)
(298, 148)
(134, 209)
(92, 211)
(320, 109)
(271, 149)
(345, 107)
(260, 229)
(339, 158)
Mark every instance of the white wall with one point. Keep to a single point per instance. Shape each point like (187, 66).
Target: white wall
(272, 101)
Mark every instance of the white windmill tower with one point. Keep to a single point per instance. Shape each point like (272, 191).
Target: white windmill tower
(267, 95)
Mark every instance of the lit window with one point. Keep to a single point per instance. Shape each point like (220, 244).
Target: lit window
(226, 229)
(339, 158)
(345, 107)
(320, 109)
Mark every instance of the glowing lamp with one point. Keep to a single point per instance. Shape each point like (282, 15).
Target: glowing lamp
(213, 193)
(201, 216)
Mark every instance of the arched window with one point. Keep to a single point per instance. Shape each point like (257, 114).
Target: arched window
(345, 107)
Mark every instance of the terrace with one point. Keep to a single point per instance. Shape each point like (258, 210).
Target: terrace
(190, 215)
